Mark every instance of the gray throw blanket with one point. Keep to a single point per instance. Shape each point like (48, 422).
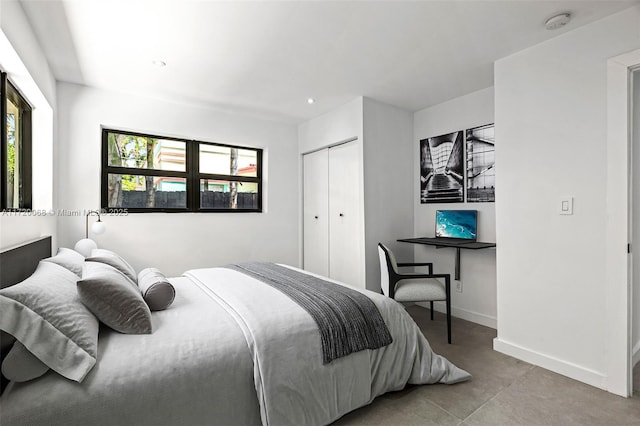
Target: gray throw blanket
(347, 319)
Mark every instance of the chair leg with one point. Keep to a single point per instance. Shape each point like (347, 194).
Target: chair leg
(449, 320)
(448, 302)
(431, 303)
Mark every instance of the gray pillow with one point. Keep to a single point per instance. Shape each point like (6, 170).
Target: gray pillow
(157, 291)
(69, 259)
(20, 365)
(114, 299)
(112, 259)
(45, 314)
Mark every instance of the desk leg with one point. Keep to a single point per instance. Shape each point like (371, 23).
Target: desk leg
(457, 274)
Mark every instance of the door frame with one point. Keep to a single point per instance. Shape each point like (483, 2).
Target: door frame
(618, 282)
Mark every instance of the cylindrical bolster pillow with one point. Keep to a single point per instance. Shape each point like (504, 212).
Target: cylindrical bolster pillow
(156, 289)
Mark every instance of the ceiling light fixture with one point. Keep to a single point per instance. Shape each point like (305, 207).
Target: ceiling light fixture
(558, 21)
(311, 101)
(159, 63)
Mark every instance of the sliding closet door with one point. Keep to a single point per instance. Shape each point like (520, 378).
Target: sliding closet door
(346, 251)
(316, 212)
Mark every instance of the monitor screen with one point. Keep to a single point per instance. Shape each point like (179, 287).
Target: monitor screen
(456, 224)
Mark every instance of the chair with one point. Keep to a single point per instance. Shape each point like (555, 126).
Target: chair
(414, 287)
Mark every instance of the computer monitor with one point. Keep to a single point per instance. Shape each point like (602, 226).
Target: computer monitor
(457, 224)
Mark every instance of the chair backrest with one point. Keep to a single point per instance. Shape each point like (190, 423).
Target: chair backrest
(387, 264)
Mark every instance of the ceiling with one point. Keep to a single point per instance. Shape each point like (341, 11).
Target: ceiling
(267, 58)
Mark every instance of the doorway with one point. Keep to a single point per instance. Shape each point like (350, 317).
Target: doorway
(620, 188)
(635, 228)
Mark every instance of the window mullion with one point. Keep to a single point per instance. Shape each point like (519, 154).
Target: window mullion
(104, 187)
(26, 160)
(145, 172)
(236, 178)
(3, 140)
(193, 189)
(259, 176)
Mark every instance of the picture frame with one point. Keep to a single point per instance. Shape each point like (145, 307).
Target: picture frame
(442, 168)
(480, 164)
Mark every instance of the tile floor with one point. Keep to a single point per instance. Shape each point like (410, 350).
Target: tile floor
(503, 391)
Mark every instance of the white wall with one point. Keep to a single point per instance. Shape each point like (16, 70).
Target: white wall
(388, 155)
(477, 302)
(22, 58)
(15, 25)
(635, 199)
(551, 128)
(175, 242)
(338, 125)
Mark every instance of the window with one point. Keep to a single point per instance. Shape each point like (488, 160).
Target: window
(146, 173)
(16, 147)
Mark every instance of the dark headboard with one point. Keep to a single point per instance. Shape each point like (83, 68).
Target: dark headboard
(19, 262)
(16, 264)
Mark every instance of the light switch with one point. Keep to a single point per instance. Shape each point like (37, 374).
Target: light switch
(566, 205)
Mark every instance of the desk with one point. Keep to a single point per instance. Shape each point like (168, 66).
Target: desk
(438, 242)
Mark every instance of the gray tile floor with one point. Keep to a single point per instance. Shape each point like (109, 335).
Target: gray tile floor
(503, 391)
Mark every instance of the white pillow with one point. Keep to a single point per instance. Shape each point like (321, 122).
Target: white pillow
(69, 259)
(45, 314)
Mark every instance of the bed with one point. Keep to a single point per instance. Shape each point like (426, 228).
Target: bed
(230, 350)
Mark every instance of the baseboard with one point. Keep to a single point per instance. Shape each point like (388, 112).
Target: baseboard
(478, 318)
(574, 371)
(636, 354)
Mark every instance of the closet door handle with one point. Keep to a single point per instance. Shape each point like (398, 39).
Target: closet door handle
(341, 214)
(315, 217)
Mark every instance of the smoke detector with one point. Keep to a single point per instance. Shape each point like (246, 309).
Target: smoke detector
(557, 21)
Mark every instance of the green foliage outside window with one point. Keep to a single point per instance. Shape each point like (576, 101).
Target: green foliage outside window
(130, 151)
(11, 148)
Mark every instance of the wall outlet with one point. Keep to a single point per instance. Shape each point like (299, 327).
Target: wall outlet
(459, 286)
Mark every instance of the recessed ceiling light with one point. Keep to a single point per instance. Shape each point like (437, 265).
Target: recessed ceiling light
(311, 101)
(159, 63)
(557, 21)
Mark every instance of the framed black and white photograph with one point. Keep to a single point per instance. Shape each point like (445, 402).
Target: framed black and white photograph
(442, 168)
(481, 160)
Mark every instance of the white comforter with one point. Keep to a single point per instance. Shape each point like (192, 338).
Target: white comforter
(230, 350)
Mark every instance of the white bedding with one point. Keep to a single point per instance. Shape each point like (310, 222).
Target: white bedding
(230, 350)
